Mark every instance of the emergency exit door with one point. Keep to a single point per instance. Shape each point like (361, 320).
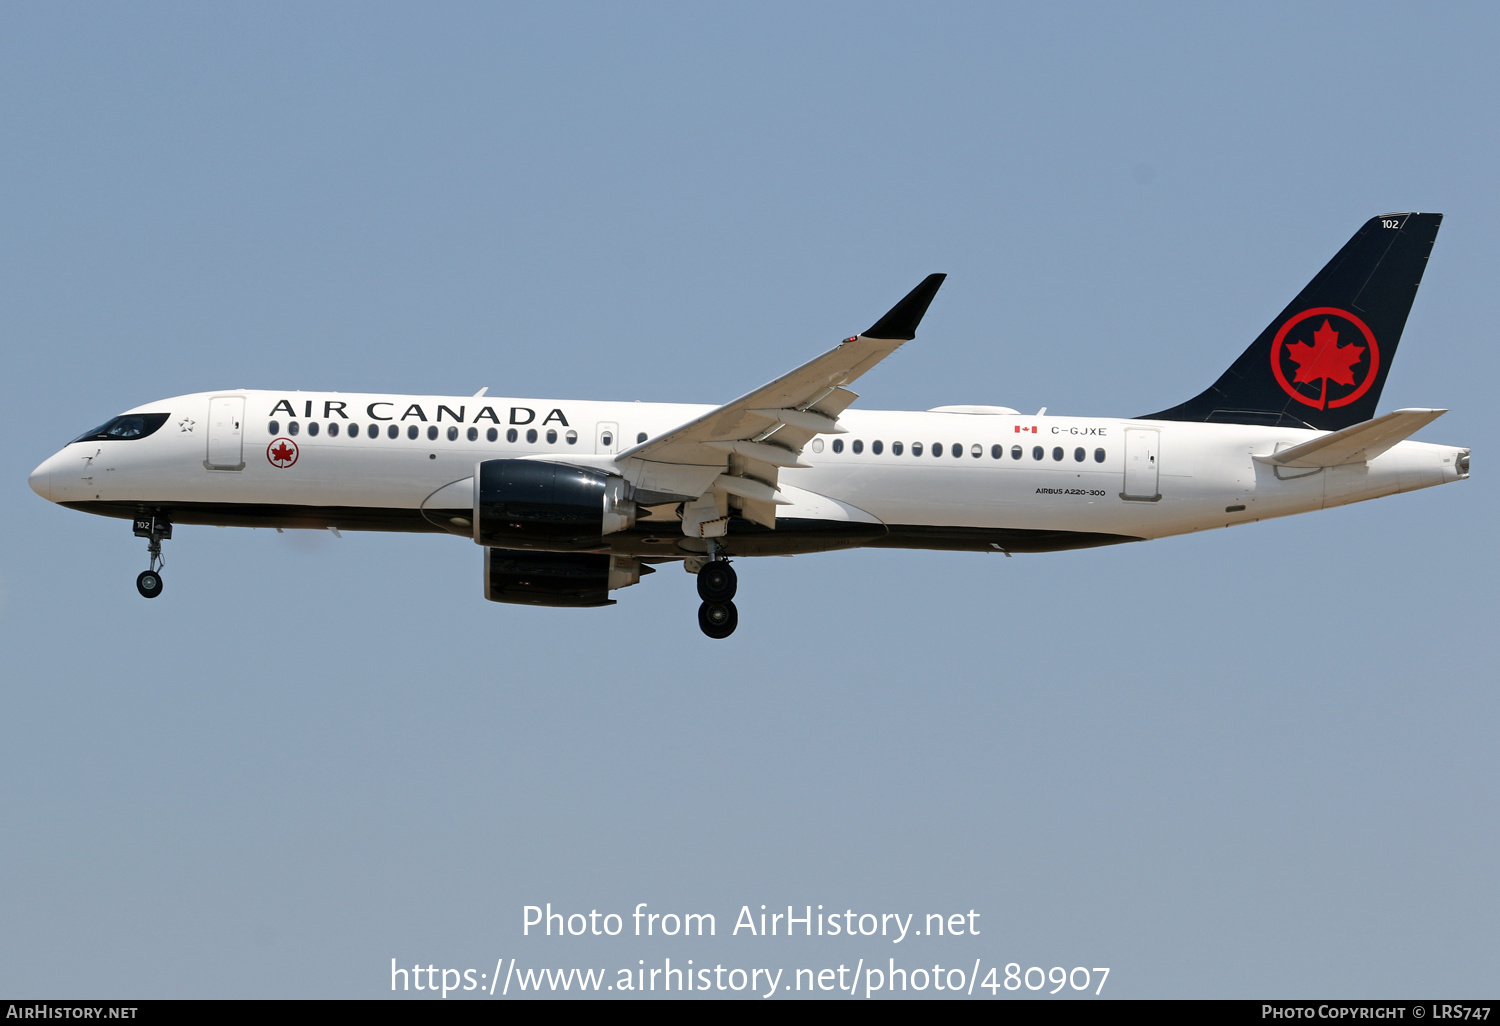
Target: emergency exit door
(226, 433)
(1142, 465)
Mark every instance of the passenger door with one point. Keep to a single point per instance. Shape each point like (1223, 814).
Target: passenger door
(1142, 465)
(226, 433)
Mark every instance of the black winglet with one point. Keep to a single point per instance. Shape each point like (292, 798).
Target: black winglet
(902, 320)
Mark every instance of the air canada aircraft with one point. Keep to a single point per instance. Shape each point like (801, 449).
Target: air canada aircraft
(572, 500)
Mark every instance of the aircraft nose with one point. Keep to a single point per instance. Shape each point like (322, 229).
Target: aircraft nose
(41, 480)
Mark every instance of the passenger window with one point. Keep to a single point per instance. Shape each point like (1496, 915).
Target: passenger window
(817, 445)
(640, 437)
(958, 450)
(373, 430)
(1079, 455)
(916, 448)
(1037, 452)
(858, 446)
(877, 447)
(1015, 452)
(312, 428)
(531, 436)
(552, 436)
(411, 431)
(510, 434)
(937, 448)
(976, 450)
(896, 448)
(293, 428)
(333, 429)
(997, 451)
(432, 433)
(838, 445)
(1057, 452)
(493, 433)
(1098, 455)
(473, 434)
(571, 437)
(452, 434)
(275, 428)
(393, 432)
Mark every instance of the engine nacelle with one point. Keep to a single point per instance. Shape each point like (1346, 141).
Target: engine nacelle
(531, 504)
(575, 579)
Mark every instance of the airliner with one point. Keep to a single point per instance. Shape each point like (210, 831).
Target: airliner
(571, 500)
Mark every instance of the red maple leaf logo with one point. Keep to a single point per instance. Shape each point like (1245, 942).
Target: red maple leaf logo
(282, 453)
(1325, 360)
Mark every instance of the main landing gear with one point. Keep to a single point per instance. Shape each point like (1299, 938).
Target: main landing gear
(717, 583)
(156, 528)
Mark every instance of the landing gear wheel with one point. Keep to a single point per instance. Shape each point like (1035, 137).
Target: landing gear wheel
(718, 619)
(717, 581)
(148, 584)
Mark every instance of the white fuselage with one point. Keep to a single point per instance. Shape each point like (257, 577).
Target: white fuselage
(1053, 474)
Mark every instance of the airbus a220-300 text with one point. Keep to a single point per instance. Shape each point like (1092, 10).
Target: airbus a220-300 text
(571, 500)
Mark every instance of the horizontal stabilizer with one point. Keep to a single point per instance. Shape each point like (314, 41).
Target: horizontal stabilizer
(1355, 444)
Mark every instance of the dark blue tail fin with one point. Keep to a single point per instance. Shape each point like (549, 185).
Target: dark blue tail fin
(1323, 361)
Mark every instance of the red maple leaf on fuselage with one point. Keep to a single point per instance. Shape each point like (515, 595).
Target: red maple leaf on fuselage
(281, 453)
(1325, 359)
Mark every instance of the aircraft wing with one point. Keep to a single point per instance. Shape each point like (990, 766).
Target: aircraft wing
(1354, 444)
(754, 436)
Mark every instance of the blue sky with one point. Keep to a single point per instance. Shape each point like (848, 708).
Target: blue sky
(1251, 762)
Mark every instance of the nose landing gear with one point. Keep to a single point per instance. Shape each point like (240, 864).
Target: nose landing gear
(717, 583)
(156, 528)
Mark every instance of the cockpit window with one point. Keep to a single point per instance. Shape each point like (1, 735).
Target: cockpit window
(132, 425)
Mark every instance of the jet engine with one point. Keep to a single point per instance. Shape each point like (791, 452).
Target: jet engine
(531, 504)
(532, 578)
